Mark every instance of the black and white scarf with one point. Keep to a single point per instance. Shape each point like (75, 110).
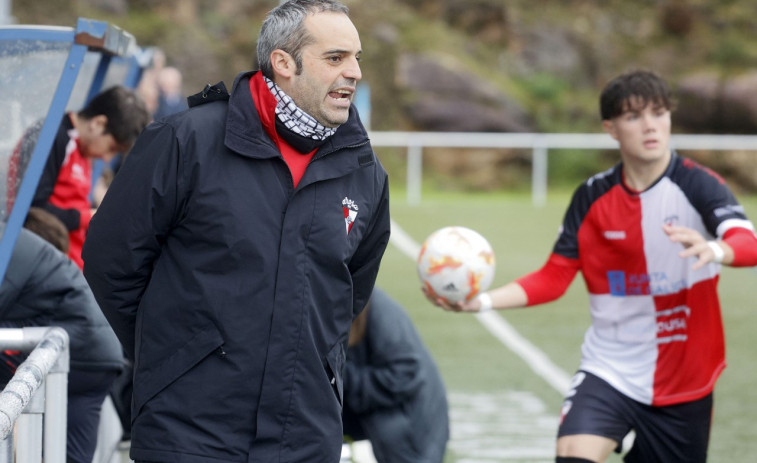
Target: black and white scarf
(295, 119)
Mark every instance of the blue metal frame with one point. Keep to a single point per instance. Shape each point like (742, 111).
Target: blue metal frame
(56, 34)
(99, 77)
(88, 35)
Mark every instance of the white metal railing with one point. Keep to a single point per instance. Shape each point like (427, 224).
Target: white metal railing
(36, 398)
(539, 143)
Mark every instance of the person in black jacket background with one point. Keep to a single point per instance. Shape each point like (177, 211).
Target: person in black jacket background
(43, 287)
(394, 395)
(236, 244)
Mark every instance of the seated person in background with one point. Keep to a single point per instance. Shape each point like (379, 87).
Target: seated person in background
(43, 287)
(48, 227)
(394, 395)
(106, 126)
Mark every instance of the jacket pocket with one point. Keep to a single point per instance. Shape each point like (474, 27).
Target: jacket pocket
(335, 367)
(148, 382)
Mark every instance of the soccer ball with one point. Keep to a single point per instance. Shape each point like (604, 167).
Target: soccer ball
(456, 263)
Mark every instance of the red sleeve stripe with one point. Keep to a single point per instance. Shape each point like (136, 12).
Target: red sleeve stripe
(551, 281)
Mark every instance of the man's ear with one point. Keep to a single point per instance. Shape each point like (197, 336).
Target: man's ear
(283, 63)
(609, 127)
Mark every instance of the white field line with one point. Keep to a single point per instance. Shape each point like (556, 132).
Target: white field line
(534, 357)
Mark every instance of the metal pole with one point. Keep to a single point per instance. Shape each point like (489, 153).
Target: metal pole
(5, 13)
(27, 392)
(56, 411)
(29, 431)
(6, 450)
(39, 155)
(539, 176)
(414, 173)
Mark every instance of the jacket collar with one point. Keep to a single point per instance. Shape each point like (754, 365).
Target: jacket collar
(245, 133)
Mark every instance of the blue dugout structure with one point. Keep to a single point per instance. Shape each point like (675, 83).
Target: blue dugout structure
(45, 71)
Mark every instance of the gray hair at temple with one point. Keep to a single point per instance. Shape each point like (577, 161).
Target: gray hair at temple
(284, 29)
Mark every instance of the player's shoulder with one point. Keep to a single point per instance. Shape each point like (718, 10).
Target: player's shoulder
(589, 192)
(597, 185)
(686, 171)
(701, 185)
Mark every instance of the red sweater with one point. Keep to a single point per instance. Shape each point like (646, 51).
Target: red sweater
(265, 103)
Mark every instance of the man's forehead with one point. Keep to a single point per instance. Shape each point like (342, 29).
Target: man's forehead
(332, 31)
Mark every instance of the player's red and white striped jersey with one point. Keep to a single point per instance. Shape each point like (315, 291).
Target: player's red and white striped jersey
(656, 333)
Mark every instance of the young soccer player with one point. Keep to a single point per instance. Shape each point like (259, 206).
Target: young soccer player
(649, 236)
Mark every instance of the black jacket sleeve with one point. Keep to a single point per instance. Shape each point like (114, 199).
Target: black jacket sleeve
(364, 265)
(127, 232)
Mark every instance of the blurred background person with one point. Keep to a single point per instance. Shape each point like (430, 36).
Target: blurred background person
(43, 287)
(148, 85)
(170, 97)
(48, 227)
(394, 395)
(107, 125)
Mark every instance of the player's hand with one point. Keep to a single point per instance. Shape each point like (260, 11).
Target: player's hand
(470, 306)
(695, 245)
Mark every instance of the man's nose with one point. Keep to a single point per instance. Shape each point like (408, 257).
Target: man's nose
(352, 70)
